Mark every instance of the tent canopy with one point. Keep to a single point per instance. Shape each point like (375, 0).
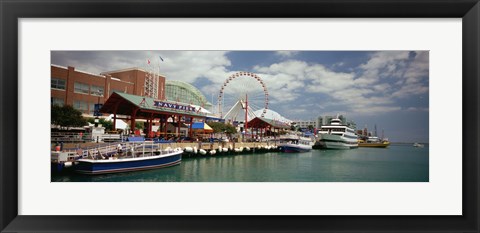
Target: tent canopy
(261, 122)
(119, 123)
(201, 126)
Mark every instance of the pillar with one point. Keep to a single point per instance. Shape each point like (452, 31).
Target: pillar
(190, 132)
(133, 117)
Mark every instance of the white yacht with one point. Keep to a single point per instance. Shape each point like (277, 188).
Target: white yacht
(295, 144)
(418, 145)
(336, 136)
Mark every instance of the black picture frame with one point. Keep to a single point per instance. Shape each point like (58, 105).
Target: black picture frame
(11, 11)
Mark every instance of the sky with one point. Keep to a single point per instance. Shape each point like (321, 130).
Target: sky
(389, 89)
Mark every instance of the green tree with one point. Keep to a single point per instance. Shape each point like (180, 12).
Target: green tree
(230, 129)
(139, 125)
(220, 127)
(67, 116)
(310, 127)
(105, 123)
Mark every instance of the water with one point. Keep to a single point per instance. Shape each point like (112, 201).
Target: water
(397, 163)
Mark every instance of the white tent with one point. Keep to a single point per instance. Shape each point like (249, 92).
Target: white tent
(272, 115)
(119, 124)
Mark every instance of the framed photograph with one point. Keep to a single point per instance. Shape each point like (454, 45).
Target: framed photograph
(318, 116)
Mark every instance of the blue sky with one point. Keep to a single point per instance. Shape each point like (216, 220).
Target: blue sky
(386, 88)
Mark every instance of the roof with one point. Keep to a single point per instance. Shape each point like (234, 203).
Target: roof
(79, 71)
(270, 114)
(130, 69)
(127, 103)
(189, 87)
(201, 126)
(261, 122)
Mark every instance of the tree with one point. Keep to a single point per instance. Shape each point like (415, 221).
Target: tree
(105, 123)
(139, 125)
(67, 116)
(310, 128)
(230, 129)
(220, 127)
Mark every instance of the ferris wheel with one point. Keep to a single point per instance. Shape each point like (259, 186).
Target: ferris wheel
(241, 95)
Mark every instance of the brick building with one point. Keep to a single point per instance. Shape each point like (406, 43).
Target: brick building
(83, 90)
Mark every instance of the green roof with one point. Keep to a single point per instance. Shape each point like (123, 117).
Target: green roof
(200, 98)
(127, 103)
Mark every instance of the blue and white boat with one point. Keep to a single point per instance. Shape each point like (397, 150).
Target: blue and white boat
(295, 144)
(127, 157)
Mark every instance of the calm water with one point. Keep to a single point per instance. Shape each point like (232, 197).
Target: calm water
(403, 163)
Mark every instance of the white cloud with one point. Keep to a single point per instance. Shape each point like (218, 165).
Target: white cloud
(410, 89)
(285, 81)
(184, 66)
(327, 80)
(289, 80)
(187, 66)
(384, 64)
(418, 70)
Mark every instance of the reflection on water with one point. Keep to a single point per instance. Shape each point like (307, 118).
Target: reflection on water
(396, 163)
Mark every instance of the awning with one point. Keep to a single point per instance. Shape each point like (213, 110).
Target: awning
(144, 107)
(202, 126)
(261, 122)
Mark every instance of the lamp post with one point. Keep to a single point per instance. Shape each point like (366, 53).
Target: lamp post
(97, 121)
(98, 105)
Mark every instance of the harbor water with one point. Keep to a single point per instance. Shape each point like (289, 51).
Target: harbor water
(397, 163)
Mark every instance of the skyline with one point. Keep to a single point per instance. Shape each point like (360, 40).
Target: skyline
(389, 89)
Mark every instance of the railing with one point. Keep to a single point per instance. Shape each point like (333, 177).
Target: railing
(70, 137)
(126, 149)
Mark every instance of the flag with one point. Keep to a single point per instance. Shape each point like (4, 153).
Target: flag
(160, 58)
(148, 61)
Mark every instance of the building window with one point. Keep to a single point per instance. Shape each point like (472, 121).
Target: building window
(91, 108)
(96, 90)
(82, 88)
(81, 106)
(57, 101)
(57, 83)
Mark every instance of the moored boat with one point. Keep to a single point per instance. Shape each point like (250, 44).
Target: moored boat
(125, 157)
(374, 142)
(295, 144)
(418, 145)
(336, 136)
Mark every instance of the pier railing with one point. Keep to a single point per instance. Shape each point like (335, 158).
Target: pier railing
(148, 148)
(68, 137)
(132, 149)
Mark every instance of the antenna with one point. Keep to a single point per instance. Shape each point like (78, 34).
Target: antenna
(151, 82)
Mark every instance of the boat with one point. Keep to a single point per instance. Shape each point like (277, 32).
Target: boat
(126, 157)
(418, 145)
(336, 136)
(295, 144)
(374, 142)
